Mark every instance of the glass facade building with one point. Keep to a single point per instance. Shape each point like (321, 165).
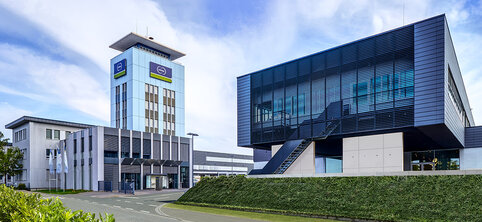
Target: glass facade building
(404, 82)
(365, 85)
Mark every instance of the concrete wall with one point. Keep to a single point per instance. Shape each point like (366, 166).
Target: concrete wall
(375, 153)
(305, 164)
(471, 159)
(275, 148)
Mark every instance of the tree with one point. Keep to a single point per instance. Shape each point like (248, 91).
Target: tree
(10, 159)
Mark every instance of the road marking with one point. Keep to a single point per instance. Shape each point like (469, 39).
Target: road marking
(152, 205)
(147, 212)
(129, 209)
(126, 201)
(116, 206)
(118, 200)
(139, 203)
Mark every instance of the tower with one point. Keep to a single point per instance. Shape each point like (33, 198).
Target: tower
(147, 86)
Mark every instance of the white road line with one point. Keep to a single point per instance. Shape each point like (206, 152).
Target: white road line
(126, 201)
(143, 211)
(139, 203)
(118, 200)
(116, 206)
(129, 209)
(152, 205)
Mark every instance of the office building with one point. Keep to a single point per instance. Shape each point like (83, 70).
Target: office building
(391, 102)
(101, 158)
(208, 163)
(36, 138)
(147, 87)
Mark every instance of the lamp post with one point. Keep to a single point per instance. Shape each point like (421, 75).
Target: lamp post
(191, 159)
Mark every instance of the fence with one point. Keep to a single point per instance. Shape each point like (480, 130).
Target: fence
(126, 187)
(105, 186)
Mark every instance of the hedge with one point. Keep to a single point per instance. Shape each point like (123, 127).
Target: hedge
(20, 206)
(387, 198)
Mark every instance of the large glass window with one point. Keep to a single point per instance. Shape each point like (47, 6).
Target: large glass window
(364, 85)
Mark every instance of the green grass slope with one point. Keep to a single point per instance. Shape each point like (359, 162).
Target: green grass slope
(389, 198)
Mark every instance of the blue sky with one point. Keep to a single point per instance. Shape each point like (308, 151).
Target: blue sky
(54, 55)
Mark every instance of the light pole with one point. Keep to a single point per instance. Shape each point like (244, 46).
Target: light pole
(191, 159)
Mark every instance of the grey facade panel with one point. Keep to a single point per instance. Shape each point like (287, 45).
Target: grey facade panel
(111, 173)
(130, 168)
(111, 143)
(174, 150)
(429, 76)
(165, 150)
(473, 137)
(125, 133)
(111, 131)
(125, 144)
(136, 145)
(169, 170)
(244, 103)
(147, 147)
(157, 150)
(455, 118)
(184, 152)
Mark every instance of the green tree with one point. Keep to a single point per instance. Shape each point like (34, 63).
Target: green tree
(10, 159)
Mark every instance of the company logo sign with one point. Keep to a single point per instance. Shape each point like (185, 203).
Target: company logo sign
(160, 72)
(120, 68)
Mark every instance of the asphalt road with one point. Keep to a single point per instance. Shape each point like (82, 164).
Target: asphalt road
(147, 206)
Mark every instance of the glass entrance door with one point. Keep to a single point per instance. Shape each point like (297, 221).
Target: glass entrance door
(132, 177)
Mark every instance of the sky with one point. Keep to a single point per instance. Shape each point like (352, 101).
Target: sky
(55, 55)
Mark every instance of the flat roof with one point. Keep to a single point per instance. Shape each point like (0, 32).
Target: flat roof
(25, 119)
(132, 39)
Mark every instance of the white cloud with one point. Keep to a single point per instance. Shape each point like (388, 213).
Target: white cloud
(40, 78)
(8, 114)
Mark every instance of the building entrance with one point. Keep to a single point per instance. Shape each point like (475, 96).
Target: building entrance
(156, 181)
(132, 177)
(172, 181)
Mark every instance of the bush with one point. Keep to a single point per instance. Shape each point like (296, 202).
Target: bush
(20, 206)
(388, 198)
(21, 186)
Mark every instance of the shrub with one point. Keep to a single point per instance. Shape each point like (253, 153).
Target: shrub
(388, 198)
(21, 186)
(20, 206)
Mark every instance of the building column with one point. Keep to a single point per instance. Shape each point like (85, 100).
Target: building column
(191, 163)
(142, 176)
(161, 151)
(179, 186)
(119, 156)
(130, 143)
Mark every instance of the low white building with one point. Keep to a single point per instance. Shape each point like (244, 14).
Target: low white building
(36, 137)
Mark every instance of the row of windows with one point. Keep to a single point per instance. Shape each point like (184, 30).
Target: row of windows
(456, 100)
(364, 86)
(151, 108)
(169, 120)
(54, 134)
(20, 135)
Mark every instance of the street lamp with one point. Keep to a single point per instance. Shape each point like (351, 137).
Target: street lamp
(191, 177)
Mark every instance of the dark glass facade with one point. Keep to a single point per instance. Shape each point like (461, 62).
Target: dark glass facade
(366, 85)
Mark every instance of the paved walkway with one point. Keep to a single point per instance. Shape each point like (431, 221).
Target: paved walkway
(144, 206)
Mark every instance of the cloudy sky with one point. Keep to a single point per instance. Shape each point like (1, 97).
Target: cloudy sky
(54, 55)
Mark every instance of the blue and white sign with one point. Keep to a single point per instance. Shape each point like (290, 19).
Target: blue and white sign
(160, 72)
(120, 68)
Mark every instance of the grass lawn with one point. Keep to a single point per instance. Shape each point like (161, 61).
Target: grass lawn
(53, 191)
(244, 214)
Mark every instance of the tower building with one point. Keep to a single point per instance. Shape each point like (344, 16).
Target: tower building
(147, 86)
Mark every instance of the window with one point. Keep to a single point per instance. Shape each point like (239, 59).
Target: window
(151, 109)
(67, 133)
(169, 111)
(48, 134)
(57, 134)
